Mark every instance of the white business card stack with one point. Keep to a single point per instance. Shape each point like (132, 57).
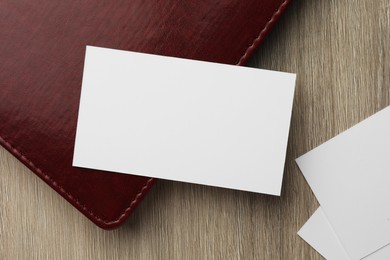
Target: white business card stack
(350, 176)
(228, 126)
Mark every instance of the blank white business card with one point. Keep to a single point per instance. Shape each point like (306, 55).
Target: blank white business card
(319, 234)
(350, 176)
(184, 120)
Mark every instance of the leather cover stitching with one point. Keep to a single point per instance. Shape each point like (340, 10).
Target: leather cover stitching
(150, 181)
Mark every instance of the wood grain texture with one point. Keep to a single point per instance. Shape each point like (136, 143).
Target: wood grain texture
(340, 50)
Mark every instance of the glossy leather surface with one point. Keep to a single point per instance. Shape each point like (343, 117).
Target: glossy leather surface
(42, 47)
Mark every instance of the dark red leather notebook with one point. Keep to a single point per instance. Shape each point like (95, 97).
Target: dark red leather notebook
(42, 47)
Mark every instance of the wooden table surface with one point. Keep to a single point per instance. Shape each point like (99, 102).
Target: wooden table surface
(340, 50)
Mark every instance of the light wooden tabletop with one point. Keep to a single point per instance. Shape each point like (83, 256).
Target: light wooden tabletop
(340, 50)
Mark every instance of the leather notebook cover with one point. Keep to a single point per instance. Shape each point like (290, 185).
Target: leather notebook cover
(42, 48)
